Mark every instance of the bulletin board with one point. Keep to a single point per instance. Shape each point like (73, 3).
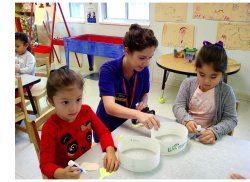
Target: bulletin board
(173, 12)
(222, 11)
(178, 35)
(234, 36)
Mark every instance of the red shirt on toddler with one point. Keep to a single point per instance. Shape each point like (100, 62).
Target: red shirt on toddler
(62, 141)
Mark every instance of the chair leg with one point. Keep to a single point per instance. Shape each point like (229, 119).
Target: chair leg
(37, 103)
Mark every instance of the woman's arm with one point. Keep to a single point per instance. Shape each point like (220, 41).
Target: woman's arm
(114, 109)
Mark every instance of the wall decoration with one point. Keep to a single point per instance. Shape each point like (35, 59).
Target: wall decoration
(173, 12)
(178, 35)
(234, 36)
(222, 11)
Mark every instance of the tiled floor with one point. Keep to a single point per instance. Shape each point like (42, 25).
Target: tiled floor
(27, 166)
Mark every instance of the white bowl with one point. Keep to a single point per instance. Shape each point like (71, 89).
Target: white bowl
(138, 153)
(172, 137)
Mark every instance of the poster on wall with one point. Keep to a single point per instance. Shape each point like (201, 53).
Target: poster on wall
(234, 36)
(91, 14)
(173, 12)
(222, 11)
(178, 35)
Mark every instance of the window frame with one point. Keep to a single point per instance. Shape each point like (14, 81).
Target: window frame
(68, 18)
(104, 20)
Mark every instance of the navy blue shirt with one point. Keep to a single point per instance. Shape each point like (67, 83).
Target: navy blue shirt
(111, 84)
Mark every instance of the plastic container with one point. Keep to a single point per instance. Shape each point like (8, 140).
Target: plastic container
(189, 54)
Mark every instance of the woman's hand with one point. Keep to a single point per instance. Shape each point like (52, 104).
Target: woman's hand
(67, 173)
(191, 126)
(110, 161)
(207, 137)
(149, 120)
(141, 105)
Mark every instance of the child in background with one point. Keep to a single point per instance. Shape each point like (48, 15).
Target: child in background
(25, 62)
(206, 100)
(67, 134)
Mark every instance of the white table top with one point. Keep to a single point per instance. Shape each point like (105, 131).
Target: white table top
(196, 161)
(29, 79)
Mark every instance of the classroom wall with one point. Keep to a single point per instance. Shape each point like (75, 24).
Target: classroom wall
(204, 30)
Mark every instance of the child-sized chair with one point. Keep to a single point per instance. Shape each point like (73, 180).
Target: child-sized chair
(38, 90)
(34, 125)
(34, 134)
(20, 109)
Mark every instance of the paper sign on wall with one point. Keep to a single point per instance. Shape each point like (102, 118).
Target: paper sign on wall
(178, 35)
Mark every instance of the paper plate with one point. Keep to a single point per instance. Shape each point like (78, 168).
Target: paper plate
(172, 137)
(138, 153)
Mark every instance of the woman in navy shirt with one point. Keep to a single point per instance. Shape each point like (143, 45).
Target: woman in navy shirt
(124, 82)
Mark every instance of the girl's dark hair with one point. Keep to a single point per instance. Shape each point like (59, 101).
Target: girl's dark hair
(24, 38)
(138, 38)
(61, 78)
(214, 55)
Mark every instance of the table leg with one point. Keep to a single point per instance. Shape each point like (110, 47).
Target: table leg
(165, 77)
(91, 62)
(31, 100)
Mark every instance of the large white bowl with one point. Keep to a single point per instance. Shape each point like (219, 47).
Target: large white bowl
(172, 137)
(146, 149)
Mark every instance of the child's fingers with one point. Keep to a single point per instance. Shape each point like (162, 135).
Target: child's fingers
(191, 129)
(105, 162)
(206, 138)
(75, 174)
(191, 126)
(112, 165)
(236, 176)
(116, 165)
(109, 164)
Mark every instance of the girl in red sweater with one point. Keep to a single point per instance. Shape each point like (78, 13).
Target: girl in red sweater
(67, 134)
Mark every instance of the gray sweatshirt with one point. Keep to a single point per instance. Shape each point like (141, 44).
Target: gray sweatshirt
(225, 119)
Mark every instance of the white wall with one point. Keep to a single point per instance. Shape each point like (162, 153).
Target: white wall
(204, 30)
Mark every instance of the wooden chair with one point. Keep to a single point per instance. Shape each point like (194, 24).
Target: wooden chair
(237, 109)
(35, 124)
(35, 137)
(38, 90)
(20, 109)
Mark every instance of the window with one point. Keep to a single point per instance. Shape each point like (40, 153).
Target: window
(76, 10)
(72, 11)
(119, 12)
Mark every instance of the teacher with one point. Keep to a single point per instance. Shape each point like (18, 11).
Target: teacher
(124, 82)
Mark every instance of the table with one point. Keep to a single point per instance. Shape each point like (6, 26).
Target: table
(28, 80)
(178, 65)
(90, 44)
(196, 161)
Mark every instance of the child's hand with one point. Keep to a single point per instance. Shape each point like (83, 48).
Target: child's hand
(191, 126)
(110, 161)
(207, 137)
(17, 69)
(67, 173)
(236, 176)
